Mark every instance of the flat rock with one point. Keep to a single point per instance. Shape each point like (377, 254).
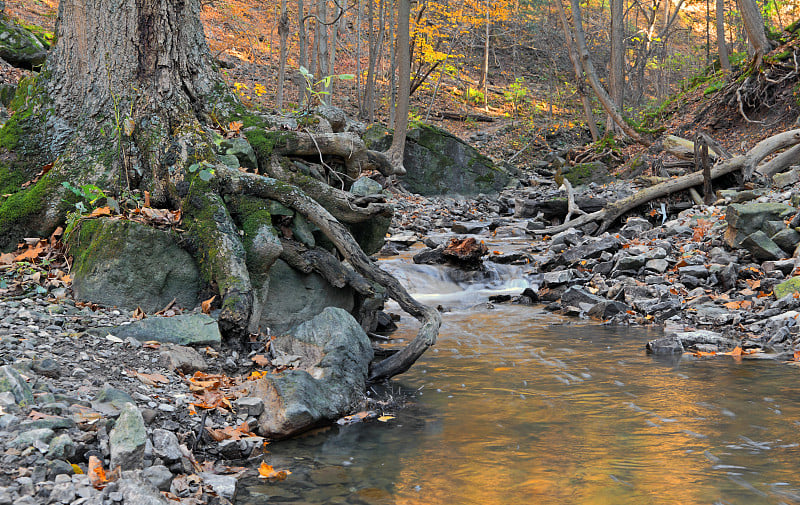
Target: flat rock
(11, 381)
(127, 439)
(223, 485)
(183, 359)
(187, 329)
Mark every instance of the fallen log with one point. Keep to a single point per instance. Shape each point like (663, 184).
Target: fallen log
(746, 163)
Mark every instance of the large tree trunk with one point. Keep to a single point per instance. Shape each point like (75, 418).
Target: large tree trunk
(397, 149)
(724, 61)
(754, 26)
(130, 101)
(616, 74)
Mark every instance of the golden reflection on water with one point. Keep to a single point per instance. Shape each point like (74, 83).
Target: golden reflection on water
(630, 432)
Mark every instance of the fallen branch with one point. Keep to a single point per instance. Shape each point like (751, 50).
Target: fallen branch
(746, 163)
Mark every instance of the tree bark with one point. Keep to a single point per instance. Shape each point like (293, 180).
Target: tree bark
(616, 72)
(283, 32)
(397, 149)
(754, 26)
(724, 60)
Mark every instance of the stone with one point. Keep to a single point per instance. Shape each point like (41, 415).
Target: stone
(332, 354)
(575, 296)
(127, 439)
(582, 174)
(699, 271)
(557, 277)
(466, 253)
(31, 437)
(469, 227)
(249, 406)
(62, 492)
(371, 234)
(185, 329)
(746, 219)
(241, 148)
(47, 367)
(430, 256)
(438, 163)
(129, 264)
(657, 265)
(788, 178)
(19, 46)
(166, 445)
(787, 239)
(607, 309)
(183, 359)
(365, 186)
(631, 263)
(786, 287)
(334, 115)
(665, 345)
(61, 447)
(223, 485)
(12, 382)
(159, 476)
(635, 226)
(762, 247)
(295, 297)
(135, 489)
(588, 250)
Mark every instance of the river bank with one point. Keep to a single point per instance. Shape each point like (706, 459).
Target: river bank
(68, 380)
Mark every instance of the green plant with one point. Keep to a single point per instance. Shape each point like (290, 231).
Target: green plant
(313, 87)
(516, 94)
(206, 170)
(475, 96)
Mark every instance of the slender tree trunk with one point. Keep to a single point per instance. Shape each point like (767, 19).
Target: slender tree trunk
(591, 74)
(397, 149)
(580, 82)
(617, 64)
(283, 31)
(302, 51)
(392, 65)
(724, 60)
(359, 30)
(368, 111)
(483, 84)
(754, 26)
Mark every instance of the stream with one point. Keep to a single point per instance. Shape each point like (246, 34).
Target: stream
(517, 405)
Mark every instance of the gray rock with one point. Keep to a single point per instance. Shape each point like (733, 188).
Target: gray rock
(62, 492)
(184, 359)
(665, 345)
(762, 247)
(31, 437)
(557, 278)
(588, 250)
(657, 265)
(223, 485)
(786, 179)
(787, 239)
(111, 401)
(128, 439)
(635, 226)
(12, 381)
(334, 115)
(166, 445)
(186, 329)
(47, 367)
(631, 263)
(19, 46)
(159, 476)
(128, 264)
(295, 297)
(135, 489)
(249, 406)
(699, 271)
(243, 151)
(469, 227)
(746, 219)
(365, 186)
(439, 163)
(61, 447)
(333, 355)
(576, 296)
(607, 309)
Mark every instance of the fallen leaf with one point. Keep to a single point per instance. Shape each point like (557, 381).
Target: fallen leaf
(266, 471)
(503, 368)
(76, 469)
(260, 360)
(101, 211)
(97, 476)
(383, 419)
(149, 379)
(206, 305)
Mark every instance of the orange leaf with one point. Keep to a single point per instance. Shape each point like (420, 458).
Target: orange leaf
(503, 368)
(7, 258)
(101, 211)
(206, 305)
(97, 476)
(235, 126)
(266, 471)
(700, 354)
(797, 355)
(31, 253)
(737, 351)
(260, 360)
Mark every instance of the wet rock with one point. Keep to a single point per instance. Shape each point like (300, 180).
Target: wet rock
(430, 257)
(579, 297)
(469, 227)
(333, 358)
(557, 278)
(128, 264)
(128, 439)
(183, 359)
(186, 329)
(12, 382)
(467, 253)
(665, 345)
(607, 309)
(223, 485)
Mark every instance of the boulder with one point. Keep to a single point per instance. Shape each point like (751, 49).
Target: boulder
(186, 329)
(582, 174)
(294, 297)
(19, 46)
(787, 287)
(762, 247)
(466, 253)
(127, 439)
(128, 264)
(746, 219)
(364, 186)
(11, 381)
(331, 356)
(439, 163)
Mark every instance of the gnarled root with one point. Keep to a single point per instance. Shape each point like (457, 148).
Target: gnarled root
(235, 182)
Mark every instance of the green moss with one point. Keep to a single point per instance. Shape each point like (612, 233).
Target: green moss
(715, 86)
(11, 180)
(786, 287)
(10, 134)
(45, 36)
(579, 173)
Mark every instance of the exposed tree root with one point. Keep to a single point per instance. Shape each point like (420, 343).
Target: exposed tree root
(236, 182)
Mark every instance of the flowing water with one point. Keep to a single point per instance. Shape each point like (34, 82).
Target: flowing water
(515, 405)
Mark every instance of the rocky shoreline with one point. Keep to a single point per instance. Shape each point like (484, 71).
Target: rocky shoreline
(74, 389)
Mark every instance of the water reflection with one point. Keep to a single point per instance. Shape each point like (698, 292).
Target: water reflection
(514, 407)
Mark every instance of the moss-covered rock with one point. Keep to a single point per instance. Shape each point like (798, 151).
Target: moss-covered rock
(786, 287)
(439, 163)
(582, 174)
(20, 46)
(131, 265)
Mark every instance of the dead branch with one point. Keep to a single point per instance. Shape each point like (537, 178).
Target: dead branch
(746, 163)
